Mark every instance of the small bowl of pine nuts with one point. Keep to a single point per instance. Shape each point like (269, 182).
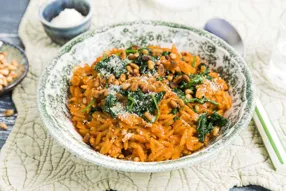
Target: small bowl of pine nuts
(14, 66)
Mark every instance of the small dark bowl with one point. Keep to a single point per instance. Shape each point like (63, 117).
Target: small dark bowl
(17, 54)
(61, 35)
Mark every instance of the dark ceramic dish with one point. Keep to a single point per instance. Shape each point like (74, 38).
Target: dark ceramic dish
(53, 8)
(14, 53)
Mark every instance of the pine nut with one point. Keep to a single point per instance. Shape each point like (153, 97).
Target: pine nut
(173, 104)
(13, 75)
(161, 70)
(5, 83)
(9, 79)
(173, 56)
(116, 82)
(148, 116)
(131, 57)
(145, 51)
(173, 85)
(151, 88)
(96, 82)
(197, 108)
(4, 72)
(3, 126)
(146, 58)
(136, 72)
(129, 69)
(121, 156)
(215, 131)
(177, 80)
(188, 91)
(186, 78)
(84, 100)
(136, 54)
(125, 86)
(142, 85)
(173, 64)
(134, 66)
(170, 77)
(123, 55)
(150, 65)
(181, 102)
(14, 63)
(122, 77)
(8, 112)
(188, 96)
(134, 87)
(111, 78)
(83, 87)
(11, 67)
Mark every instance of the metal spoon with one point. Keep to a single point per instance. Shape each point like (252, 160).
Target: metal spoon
(228, 33)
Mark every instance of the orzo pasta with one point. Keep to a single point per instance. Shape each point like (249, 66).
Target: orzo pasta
(147, 103)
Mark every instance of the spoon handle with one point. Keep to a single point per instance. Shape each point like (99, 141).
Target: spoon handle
(270, 138)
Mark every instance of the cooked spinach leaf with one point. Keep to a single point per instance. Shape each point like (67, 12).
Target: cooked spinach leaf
(132, 101)
(176, 118)
(139, 103)
(160, 78)
(175, 111)
(166, 53)
(203, 127)
(94, 109)
(110, 101)
(217, 119)
(111, 65)
(206, 123)
(180, 93)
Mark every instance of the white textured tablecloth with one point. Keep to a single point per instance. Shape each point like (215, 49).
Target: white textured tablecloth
(31, 160)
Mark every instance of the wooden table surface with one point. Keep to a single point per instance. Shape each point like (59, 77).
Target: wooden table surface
(10, 17)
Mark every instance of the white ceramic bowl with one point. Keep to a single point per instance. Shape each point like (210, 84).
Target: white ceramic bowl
(53, 88)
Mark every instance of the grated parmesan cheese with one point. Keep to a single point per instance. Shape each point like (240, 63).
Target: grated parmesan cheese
(127, 137)
(114, 64)
(118, 108)
(113, 89)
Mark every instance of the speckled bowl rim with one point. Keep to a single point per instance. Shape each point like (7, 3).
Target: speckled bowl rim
(144, 167)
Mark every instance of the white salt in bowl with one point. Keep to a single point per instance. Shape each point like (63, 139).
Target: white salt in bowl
(63, 34)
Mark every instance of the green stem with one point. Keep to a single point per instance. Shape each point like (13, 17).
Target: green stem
(88, 106)
(157, 108)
